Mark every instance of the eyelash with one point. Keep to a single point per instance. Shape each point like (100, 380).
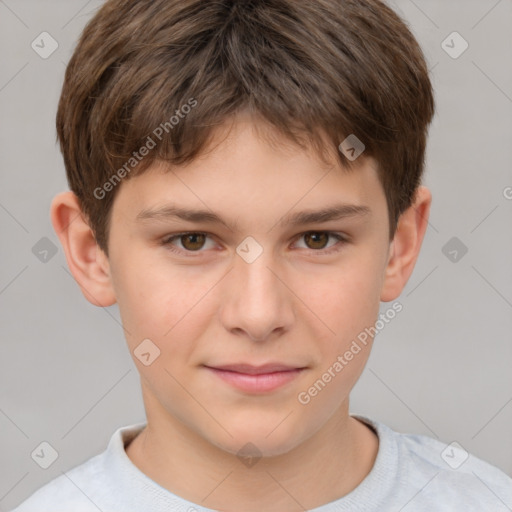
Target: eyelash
(342, 240)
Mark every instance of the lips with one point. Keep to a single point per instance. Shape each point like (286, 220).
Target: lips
(255, 370)
(256, 379)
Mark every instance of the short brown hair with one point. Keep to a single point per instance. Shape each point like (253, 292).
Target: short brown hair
(308, 67)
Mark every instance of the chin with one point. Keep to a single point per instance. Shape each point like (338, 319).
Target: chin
(264, 439)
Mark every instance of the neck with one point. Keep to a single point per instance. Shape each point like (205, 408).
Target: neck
(325, 467)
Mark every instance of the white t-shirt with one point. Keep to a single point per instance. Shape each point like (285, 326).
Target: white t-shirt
(411, 473)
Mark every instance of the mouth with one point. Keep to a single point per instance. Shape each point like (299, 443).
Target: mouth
(256, 379)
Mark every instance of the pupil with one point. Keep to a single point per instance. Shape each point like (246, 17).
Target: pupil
(315, 235)
(194, 245)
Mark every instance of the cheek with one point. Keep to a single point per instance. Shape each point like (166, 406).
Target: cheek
(168, 307)
(159, 300)
(342, 300)
(349, 306)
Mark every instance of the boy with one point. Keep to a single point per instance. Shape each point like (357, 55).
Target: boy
(209, 147)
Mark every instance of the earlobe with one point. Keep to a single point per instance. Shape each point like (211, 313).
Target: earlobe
(406, 245)
(86, 261)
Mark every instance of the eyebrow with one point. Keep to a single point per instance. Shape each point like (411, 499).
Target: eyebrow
(334, 212)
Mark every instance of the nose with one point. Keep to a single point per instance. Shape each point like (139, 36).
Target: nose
(257, 301)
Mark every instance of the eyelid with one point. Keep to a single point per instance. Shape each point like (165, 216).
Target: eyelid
(342, 238)
(170, 238)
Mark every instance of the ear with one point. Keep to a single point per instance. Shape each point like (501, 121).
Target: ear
(87, 262)
(406, 244)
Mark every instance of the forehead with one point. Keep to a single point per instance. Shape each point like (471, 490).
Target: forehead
(248, 169)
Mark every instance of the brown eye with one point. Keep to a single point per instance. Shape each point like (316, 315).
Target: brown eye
(193, 241)
(316, 240)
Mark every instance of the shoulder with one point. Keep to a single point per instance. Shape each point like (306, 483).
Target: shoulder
(445, 475)
(455, 471)
(88, 486)
(66, 492)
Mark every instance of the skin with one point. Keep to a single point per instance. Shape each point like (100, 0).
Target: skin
(291, 305)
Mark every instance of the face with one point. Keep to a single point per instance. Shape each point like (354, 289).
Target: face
(219, 299)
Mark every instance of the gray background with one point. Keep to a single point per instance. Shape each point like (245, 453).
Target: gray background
(441, 368)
